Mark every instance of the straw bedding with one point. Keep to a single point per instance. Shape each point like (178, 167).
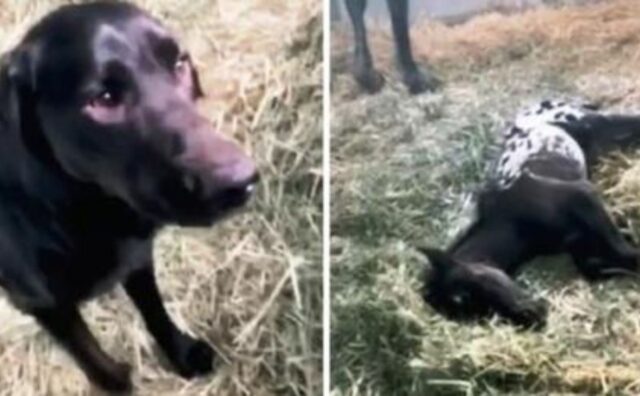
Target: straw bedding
(430, 153)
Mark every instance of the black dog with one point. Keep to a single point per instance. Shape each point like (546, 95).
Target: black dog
(538, 202)
(365, 74)
(100, 146)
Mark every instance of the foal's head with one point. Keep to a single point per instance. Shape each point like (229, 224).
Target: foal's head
(477, 290)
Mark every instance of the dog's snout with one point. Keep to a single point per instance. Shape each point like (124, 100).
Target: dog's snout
(236, 181)
(239, 174)
(217, 171)
(225, 186)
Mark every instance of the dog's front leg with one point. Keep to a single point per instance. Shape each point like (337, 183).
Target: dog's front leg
(190, 356)
(67, 327)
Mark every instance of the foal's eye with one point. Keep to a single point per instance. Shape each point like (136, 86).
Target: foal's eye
(459, 299)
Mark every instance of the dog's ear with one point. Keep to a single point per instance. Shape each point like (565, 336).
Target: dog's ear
(9, 97)
(18, 102)
(15, 88)
(440, 260)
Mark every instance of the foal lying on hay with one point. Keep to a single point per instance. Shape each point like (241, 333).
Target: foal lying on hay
(538, 201)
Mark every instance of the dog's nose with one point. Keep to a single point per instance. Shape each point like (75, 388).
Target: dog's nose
(236, 183)
(240, 174)
(219, 169)
(228, 192)
(227, 186)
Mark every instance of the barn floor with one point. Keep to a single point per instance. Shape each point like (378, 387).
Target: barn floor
(403, 169)
(250, 286)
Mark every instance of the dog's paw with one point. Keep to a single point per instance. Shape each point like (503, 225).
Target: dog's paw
(193, 357)
(115, 379)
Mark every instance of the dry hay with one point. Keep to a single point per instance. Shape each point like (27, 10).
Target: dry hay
(606, 26)
(594, 29)
(250, 286)
(429, 152)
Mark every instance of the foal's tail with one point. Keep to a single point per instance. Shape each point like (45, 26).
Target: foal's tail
(599, 134)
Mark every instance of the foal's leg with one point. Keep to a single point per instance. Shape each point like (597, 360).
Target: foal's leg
(572, 206)
(602, 251)
(68, 328)
(367, 77)
(415, 80)
(593, 265)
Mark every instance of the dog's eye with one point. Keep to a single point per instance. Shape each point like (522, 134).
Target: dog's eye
(181, 64)
(106, 98)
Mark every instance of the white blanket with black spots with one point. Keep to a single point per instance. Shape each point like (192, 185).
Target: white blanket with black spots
(533, 134)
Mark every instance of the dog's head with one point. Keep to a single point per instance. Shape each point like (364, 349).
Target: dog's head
(472, 291)
(105, 94)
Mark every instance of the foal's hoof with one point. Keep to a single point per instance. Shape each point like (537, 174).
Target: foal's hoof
(418, 82)
(193, 358)
(116, 379)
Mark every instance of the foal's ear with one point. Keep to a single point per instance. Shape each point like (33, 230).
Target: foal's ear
(438, 258)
